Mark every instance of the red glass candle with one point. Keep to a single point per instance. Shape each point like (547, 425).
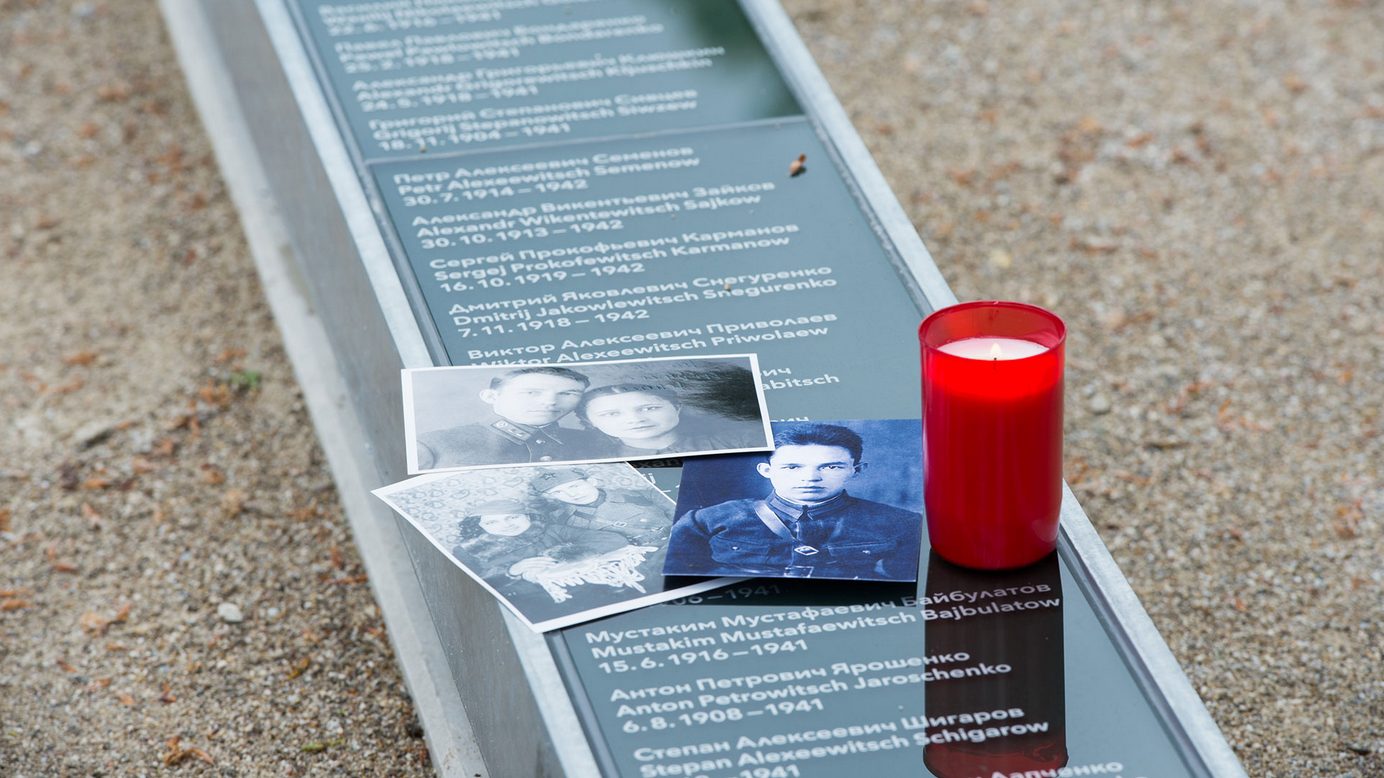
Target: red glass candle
(992, 432)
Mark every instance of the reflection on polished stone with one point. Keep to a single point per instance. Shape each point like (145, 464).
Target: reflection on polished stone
(996, 702)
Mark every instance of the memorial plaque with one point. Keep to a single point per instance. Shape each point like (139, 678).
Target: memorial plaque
(677, 245)
(421, 76)
(576, 180)
(972, 674)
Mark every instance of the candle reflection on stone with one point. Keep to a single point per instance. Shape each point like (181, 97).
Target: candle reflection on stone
(997, 658)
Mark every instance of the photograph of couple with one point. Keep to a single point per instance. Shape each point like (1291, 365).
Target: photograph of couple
(558, 545)
(490, 416)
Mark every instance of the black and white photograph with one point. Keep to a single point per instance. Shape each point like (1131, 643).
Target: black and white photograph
(494, 416)
(558, 545)
(839, 500)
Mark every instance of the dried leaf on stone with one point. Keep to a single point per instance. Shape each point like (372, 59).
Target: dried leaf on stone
(1348, 519)
(14, 604)
(962, 177)
(5, 515)
(212, 474)
(176, 754)
(167, 696)
(233, 502)
(309, 511)
(230, 355)
(338, 560)
(1223, 414)
(94, 624)
(51, 554)
(215, 394)
(1140, 140)
(65, 666)
(81, 358)
(67, 388)
(126, 699)
(114, 92)
(299, 667)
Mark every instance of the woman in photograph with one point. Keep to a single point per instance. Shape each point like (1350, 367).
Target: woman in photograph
(644, 420)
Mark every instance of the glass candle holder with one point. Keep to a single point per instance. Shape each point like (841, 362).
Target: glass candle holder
(992, 432)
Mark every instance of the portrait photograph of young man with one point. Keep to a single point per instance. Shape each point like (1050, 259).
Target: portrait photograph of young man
(838, 500)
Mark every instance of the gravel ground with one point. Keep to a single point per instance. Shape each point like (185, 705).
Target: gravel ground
(173, 559)
(1195, 187)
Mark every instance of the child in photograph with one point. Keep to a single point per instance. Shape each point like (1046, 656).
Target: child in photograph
(527, 403)
(579, 503)
(807, 526)
(642, 419)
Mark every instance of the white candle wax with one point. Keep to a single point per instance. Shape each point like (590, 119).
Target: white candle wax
(995, 349)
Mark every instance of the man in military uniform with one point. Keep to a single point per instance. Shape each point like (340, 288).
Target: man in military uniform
(582, 504)
(527, 404)
(808, 526)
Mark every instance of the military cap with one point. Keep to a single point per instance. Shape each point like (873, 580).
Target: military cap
(555, 477)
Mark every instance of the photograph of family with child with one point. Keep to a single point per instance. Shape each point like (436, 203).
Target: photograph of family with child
(492, 416)
(558, 545)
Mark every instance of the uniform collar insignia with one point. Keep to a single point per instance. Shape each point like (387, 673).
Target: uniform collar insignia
(521, 433)
(793, 510)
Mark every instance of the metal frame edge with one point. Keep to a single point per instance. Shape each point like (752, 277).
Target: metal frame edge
(450, 739)
(346, 185)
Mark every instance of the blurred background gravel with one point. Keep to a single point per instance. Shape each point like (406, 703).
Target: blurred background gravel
(1195, 187)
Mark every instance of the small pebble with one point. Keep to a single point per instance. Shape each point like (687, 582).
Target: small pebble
(1100, 405)
(92, 433)
(230, 613)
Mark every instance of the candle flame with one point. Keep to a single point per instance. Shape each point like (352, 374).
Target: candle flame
(995, 352)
